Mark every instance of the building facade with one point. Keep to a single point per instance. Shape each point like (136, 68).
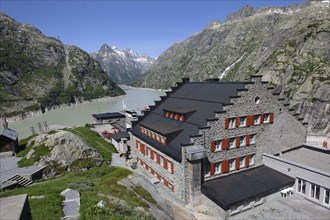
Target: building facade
(208, 131)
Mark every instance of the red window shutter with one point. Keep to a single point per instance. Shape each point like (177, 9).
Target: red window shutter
(165, 163)
(271, 118)
(237, 122)
(147, 167)
(237, 163)
(142, 149)
(137, 144)
(172, 188)
(181, 118)
(251, 120)
(172, 168)
(226, 123)
(152, 171)
(247, 140)
(158, 176)
(223, 144)
(158, 159)
(211, 169)
(225, 166)
(238, 141)
(227, 143)
(261, 118)
(141, 129)
(247, 161)
(151, 154)
(165, 182)
(164, 141)
(212, 146)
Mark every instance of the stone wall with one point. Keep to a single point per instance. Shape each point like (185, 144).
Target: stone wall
(285, 132)
(176, 179)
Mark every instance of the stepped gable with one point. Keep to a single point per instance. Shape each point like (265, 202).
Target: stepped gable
(197, 102)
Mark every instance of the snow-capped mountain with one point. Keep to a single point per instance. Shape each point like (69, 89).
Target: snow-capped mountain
(124, 66)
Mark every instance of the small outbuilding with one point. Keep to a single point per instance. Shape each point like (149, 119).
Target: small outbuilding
(15, 208)
(8, 141)
(119, 141)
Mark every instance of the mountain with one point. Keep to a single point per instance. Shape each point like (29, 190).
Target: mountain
(123, 66)
(39, 71)
(289, 46)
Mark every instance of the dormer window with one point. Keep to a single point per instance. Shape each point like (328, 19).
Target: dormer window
(182, 118)
(167, 114)
(177, 117)
(153, 135)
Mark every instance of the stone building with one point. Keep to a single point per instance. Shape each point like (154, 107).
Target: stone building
(205, 140)
(8, 141)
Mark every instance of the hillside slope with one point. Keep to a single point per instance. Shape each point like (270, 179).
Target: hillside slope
(37, 71)
(289, 46)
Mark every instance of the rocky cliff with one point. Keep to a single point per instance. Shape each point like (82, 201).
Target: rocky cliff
(124, 66)
(289, 46)
(39, 71)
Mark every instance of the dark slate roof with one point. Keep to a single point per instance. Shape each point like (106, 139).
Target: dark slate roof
(8, 133)
(234, 189)
(199, 100)
(108, 115)
(120, 135)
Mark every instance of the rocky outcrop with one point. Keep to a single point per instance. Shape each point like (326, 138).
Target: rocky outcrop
(123, 66)
(37, 71)
(289, 46)
(64, 146)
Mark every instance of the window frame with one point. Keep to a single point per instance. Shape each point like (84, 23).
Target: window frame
(244, 121)
(217, 168)
(258, 119)
(267, 118)
(231, 164)
(325, 197)
(315, 191)
(207, 168)
(301, 186)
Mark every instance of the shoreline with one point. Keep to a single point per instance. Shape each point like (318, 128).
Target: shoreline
(150, 89)
(32, 114)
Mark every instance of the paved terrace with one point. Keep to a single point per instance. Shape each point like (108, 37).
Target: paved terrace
(9, 168)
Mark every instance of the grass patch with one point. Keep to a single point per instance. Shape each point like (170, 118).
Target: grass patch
(82, 163)
(144, 194)
(95, 140)
(41, 150)
(52, 132)
(89, 183)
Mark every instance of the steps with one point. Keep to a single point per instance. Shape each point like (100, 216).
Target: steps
(20, 180)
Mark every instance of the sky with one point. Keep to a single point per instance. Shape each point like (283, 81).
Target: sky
(149, 26)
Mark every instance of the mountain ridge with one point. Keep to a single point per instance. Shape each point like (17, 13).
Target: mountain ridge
(287, 47)
(123, 66)
(38, 72)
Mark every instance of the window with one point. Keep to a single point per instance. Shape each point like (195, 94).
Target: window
(266, 118)
(207, 169)
(218, 145)
(326, 196)
(242, 121)
(252, 159)
(148, 152)
(158, 138)
(252, 138)
(161, 161)
(315, 191)
(218, 167)
(231, 164)
(242, 162)
(169, 166)
(232, 142)
(232, 122)
(242, 140)
(257, 119)
(301, 186)
(257, 100)
(155, 157)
